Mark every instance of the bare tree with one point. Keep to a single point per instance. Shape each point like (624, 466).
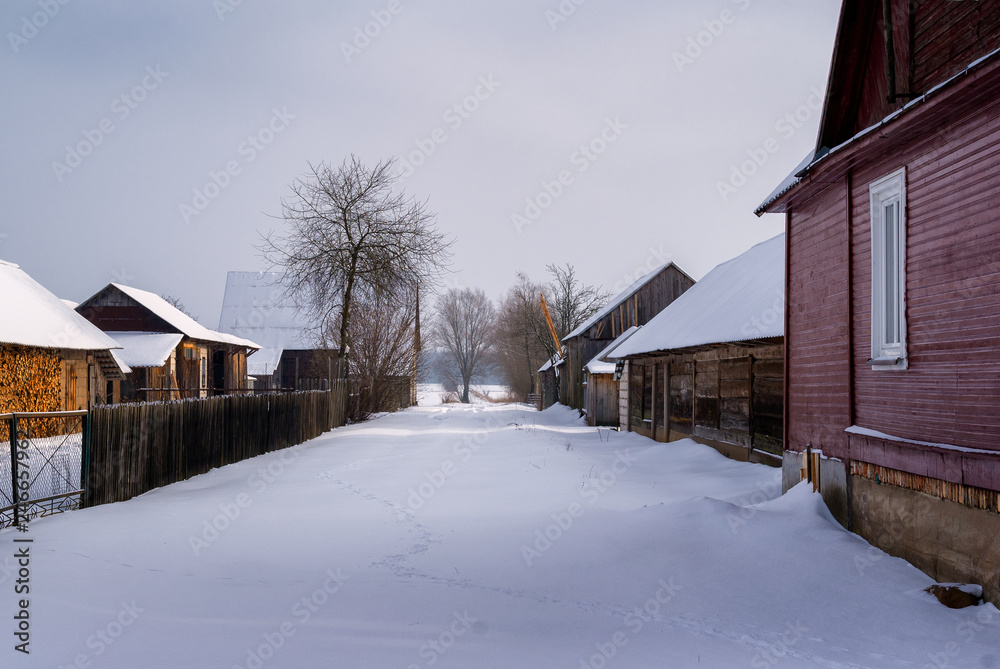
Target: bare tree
(352, 233)
(464, 326)
(572, 303)
(177, 304)
(382, 352)
(523, 338)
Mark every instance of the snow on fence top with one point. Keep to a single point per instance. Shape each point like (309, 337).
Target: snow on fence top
(180, 320)
(739, 300)
(32, 316)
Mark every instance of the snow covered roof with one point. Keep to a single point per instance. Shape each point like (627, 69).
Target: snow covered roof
(604, 362)
(550, 363)
(255, 306)
(615, 301)
(146, 349)
(179, 320)
(32, 316)
(739, 300)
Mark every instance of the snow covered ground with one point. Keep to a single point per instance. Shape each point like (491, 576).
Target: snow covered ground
(477, 536)
(430, 394)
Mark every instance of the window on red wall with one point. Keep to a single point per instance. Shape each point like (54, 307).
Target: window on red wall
(888, 236)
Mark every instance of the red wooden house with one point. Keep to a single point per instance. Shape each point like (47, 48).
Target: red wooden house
(892, 329)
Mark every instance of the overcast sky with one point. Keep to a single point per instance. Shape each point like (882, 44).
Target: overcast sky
(149, 142)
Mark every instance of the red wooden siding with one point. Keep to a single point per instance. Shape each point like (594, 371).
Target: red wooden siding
(933, 41)
(951, 393)
(817, 336)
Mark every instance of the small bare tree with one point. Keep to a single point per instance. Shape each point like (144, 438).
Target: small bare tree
(523, 338)
(382, 352)
(464, 326)
(351, 233)
(572, 303)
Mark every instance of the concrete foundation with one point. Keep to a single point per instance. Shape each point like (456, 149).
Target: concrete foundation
(949, 542)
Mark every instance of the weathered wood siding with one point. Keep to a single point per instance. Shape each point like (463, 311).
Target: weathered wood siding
(637, 309)
(602, 399)
(730, 394)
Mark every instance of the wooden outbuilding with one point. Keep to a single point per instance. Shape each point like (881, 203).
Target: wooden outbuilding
(709, 366)
(172, 356)
(634, 306)
(602, 377)
(547, 382)
(893, 253)
(51, 358)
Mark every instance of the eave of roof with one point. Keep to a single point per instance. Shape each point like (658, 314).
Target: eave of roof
(987, 64)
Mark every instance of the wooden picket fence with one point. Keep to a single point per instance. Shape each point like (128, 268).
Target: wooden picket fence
(135, 448)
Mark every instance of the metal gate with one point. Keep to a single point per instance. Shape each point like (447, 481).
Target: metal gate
(41, 473)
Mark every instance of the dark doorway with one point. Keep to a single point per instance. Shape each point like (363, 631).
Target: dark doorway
(219, 372)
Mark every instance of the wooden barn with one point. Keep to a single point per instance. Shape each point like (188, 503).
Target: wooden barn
(634, 306)
(51, 358)
(893, 320)
(172, 356)
(709, 366)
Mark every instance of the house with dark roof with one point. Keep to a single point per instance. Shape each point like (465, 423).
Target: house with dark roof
(171, 355)
(51, 358)
(892, 405)
(634, 306)
(709, 366)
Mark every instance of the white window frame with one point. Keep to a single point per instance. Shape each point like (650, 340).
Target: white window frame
(888, 355)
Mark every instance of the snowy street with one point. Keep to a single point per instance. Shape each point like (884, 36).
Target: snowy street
(478, 536)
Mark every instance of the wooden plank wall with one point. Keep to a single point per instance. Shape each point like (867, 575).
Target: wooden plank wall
(730, 394)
